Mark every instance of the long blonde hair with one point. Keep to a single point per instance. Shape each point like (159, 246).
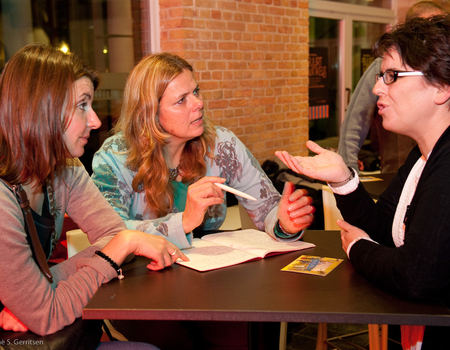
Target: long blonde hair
(146, 139)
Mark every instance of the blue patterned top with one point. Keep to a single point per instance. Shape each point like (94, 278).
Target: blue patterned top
(233, 161)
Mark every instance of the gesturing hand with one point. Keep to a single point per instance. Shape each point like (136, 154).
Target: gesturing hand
(295, 211)
(201, 195)
(326, 165)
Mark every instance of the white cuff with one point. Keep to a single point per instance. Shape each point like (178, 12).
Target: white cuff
(356, 240)
(349, 187)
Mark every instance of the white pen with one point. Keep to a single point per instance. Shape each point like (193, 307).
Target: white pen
(234, 191)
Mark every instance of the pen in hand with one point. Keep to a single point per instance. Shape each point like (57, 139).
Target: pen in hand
(234, 191)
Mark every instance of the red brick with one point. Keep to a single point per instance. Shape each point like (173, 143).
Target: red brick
(216, 25)
(228, 56)
(175, 12)
(227, 45)
(228, 84)
(221, 104)
(173, 3)
(227, 5)
(248, 121)
(242, 74)
(209, 85)
(247, 46)
(217, 65)
(252, 59)
(216, 14)
(236, 65)
(205, 75)
(217, 95)
(199, 24)
(263, 9)
(277, 11)
(217, 75)
(217, 35)
(257, 18)
(247, 8)
(268, 28)
(227, 16)
(238, 17)
(215, 114)
(206, 45)
(252, 27)
(258, 37)
(228, 94)
(205, 3)
(172, 46)
(239, 102)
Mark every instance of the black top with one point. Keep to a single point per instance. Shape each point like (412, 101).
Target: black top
(45, 225)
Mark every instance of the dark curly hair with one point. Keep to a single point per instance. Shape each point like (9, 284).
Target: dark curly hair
(423, 44)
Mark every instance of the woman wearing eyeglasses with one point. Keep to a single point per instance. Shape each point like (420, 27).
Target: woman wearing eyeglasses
(402, 242)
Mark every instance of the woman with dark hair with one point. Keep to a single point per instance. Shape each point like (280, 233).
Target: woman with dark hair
(401, 243)
(46, 116)
(159, 171)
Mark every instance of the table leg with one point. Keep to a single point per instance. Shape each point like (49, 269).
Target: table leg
(384, 337)
(283, 335)
(321, 337)
(374, 337)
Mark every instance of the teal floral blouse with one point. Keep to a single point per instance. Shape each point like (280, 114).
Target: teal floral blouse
(233, 161)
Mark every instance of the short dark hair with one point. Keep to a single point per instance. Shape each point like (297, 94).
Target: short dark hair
(423, 44)
(36, 104)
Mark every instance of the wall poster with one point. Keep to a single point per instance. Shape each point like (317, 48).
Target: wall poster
(319, 83)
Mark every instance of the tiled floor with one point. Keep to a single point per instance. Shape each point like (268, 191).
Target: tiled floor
(302, 336)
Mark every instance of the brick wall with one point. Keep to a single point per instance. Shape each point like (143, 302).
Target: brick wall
(251, 61)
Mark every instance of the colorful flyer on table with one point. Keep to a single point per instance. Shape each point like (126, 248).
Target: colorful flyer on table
(312, 265)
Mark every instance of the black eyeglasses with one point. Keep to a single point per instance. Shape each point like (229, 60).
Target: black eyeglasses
(390, 76)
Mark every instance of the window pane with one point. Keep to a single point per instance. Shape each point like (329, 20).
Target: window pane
(323, 79)
(105, 33)
(364, 37)
(386, 4)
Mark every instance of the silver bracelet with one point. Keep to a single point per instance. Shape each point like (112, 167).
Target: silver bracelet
(347, 180)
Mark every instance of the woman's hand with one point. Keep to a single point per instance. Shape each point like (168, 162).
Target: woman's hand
(349, 233)
(201, 195)
(161, 251)
(295, 211)
(9, 322)
(325, 166)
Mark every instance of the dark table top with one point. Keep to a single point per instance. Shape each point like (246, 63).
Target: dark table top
(259, 291)
(375, 188)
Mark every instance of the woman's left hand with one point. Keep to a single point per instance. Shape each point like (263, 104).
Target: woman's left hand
(349, 233)
(295, 211)
(10, 323)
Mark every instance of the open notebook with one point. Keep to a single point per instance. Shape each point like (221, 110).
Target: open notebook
(224, 249)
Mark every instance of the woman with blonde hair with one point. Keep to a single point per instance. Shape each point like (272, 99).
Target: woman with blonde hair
(160, 168)
(159, 171)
